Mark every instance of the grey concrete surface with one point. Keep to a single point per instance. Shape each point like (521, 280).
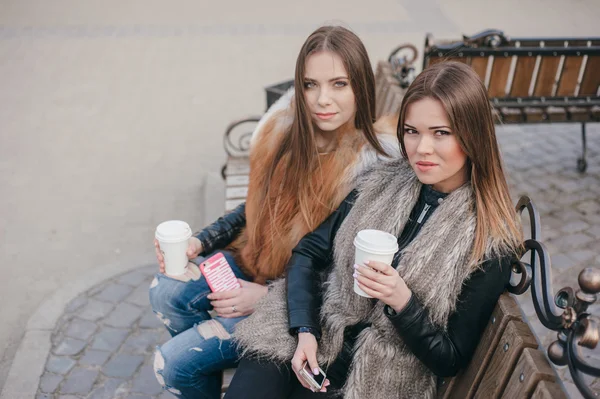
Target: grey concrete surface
(111, 118)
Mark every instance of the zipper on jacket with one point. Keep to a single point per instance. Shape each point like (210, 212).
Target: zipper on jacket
(413, 228)
(423, 213)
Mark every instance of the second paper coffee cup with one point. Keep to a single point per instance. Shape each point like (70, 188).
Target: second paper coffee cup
(173, 238)
(373, 245)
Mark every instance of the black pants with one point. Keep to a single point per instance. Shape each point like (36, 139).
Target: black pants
(263, 380)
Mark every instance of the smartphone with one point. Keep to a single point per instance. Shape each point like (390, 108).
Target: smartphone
(218, 274)
(315, 381)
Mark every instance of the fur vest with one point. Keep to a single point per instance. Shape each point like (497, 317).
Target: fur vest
(264, 247)
(434, 265)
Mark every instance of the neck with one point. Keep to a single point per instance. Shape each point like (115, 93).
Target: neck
(328, 141)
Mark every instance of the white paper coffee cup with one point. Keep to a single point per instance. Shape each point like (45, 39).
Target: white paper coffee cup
(173, 238)
(373, 245)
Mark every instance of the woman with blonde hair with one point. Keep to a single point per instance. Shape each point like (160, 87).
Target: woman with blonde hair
(305, 155)
(447, 202)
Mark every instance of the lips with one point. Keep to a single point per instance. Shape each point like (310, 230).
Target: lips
(425, 166)
(325, 116)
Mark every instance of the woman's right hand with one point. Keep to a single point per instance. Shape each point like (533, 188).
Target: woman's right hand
(194, 248)
(307, 352)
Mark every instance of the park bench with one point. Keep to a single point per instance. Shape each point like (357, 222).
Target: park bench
(529, 80)
(508, 361)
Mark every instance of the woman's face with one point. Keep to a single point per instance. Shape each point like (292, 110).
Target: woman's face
(327, 91)
(432, 148)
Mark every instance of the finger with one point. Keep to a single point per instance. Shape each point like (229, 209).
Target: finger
(230, 315)
(369, 291)
(380, 267)
(372, 285)
(297, 362)
(221, 295)
(224, 303)
(311, 357)
(369, 273)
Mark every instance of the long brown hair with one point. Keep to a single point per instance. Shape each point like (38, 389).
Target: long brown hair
(298, 148)
(464, 97)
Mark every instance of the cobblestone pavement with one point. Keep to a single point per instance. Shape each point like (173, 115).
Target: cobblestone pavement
(102, 346)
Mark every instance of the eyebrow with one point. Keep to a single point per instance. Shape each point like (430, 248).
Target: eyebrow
(431, 128)
(330, 80)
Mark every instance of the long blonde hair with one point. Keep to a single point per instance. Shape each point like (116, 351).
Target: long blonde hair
(464, 97)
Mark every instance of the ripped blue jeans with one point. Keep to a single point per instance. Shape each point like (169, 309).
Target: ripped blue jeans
(190, 364)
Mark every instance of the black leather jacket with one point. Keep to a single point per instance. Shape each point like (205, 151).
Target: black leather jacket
(443, 352)
(223, 231)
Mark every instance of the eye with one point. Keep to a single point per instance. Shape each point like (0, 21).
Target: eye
(410, 131)
(340, 83)
(309, 85)
(442, 133)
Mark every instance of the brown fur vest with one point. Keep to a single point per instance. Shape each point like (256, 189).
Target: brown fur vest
(264, 247)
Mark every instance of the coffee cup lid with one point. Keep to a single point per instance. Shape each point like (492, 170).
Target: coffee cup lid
(376, 242)
(173, 231)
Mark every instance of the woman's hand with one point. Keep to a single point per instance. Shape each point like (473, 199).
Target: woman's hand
(194, 248)
(383, 282)
(238, 302)
(307, 352)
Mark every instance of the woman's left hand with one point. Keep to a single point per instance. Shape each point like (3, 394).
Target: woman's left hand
(383, 282)
(238, 302)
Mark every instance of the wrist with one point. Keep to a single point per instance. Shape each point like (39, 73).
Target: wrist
(304, 331)
(401, 302)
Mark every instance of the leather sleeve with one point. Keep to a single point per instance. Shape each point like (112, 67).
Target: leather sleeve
(446, 352)
(222, 232)
(311, 257)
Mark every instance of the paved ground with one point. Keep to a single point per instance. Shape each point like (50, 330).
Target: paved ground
(111, 120)
(102, 345)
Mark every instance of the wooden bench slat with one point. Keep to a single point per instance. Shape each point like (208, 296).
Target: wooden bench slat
(234, 167)
(479, 64)
(548, 390)
(523, 76)
(499, 76)
(556, 113)
(591, 77)
(230, 205)
(237, 180)
(569, 76)
(516, 337)
(236, 192)
(531, 369)
(465, 384)
(546, 77)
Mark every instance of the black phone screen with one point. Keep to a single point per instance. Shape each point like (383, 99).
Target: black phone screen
(319, 378)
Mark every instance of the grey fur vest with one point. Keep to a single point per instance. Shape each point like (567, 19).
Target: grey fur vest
(434, 265)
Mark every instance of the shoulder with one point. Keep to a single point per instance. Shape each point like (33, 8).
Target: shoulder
(369, 158)
(278, 118)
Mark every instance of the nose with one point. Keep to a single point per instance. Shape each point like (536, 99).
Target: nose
(425, 146)
(324, 98)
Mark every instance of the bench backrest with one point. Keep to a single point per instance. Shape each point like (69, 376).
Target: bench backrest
(528, 67)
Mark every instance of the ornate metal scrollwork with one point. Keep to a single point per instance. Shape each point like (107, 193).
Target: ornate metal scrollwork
(236, 140)
(402, 58)
(575, 326)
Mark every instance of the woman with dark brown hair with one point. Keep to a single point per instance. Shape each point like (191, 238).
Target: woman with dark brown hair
(305, 155)
(447, 204)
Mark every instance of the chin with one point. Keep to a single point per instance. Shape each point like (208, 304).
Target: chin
(426, 179)
(327, 127)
